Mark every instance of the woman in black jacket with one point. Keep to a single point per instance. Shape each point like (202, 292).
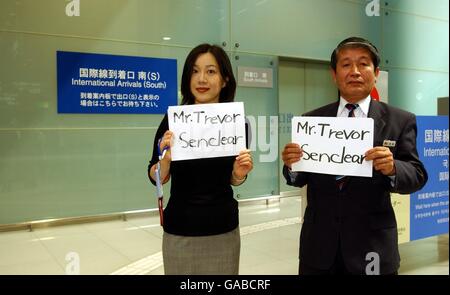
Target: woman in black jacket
(201, 220)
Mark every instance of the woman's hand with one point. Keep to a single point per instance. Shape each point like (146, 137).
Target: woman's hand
(166, 142)
(243, 164)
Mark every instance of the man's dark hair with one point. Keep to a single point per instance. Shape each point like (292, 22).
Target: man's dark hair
(356, 42)
(227, 92)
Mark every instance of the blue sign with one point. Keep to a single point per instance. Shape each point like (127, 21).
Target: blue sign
(101, 83)
(429, 206)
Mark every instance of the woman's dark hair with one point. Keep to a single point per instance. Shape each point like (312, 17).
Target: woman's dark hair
(227, 92)
(356, 42)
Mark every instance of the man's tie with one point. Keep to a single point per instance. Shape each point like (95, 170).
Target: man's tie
(351, 107)
(341, 179)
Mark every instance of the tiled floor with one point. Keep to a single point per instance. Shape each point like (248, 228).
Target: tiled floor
(270, 234)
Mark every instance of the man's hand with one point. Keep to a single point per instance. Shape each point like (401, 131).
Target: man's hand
(383, 160)
(291, 153)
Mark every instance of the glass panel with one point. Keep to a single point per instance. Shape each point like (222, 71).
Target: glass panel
(430, 8)
(291, 103)
(64, 165)
(306, 29)
(261, 107)
(59, 172)
(319, 86)
(403, 47)
(135, 20)
(303, 87)
(417, 91)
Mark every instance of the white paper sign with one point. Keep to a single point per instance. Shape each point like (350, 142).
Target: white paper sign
(333, 145)
(207, 130)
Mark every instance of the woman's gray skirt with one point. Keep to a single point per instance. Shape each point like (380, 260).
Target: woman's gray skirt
(204, 255)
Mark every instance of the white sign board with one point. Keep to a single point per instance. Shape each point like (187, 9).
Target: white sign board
(207, 130)
(333, 145)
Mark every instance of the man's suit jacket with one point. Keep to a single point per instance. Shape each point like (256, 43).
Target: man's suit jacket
(360, 215)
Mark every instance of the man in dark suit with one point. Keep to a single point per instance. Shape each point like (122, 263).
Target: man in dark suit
(349, 224)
